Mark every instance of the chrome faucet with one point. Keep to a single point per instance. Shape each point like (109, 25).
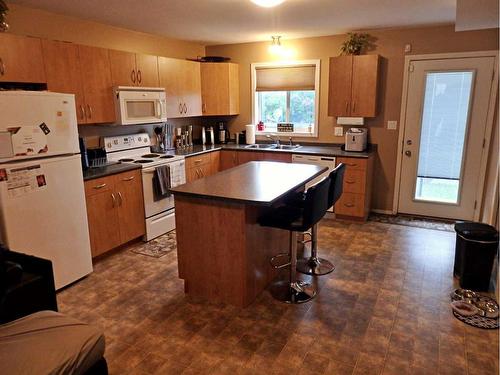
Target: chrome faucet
(273, 138)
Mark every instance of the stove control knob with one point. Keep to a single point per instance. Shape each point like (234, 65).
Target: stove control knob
(109, 144)
(145, 140)
(115, 141)
(139, 139)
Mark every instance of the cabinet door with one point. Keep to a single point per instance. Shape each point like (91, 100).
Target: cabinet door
(147, 70)
(350, 204)
(102, 215)
(228, 159)
(214, 162)
(170, 79)
(247, 156)
(128, 187)
(123, 71)
(220, 89)
(364, 85)
(339, 86)
(62, 69)
(191, 89)
(97, 84)
(21, 59)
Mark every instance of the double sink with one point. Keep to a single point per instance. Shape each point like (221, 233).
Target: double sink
(273, 146)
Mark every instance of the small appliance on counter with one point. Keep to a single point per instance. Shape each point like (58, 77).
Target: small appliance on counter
(97, 157)
(210, 136)
(356, 139)
(163, 139)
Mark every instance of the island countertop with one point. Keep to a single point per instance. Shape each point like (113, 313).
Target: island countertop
(256, 182)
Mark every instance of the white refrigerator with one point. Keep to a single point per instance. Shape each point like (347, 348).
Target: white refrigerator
(42, 198)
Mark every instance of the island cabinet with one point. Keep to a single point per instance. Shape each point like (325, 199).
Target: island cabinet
(21, 59)
(133, 69)
(115, 210)
(182, 82)
(202, 165)
(355, 200)
(353, 86)
(220, 89)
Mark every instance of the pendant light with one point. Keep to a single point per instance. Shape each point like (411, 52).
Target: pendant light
(267, 3)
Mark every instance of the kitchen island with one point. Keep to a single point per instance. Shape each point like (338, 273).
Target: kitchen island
(223, 253)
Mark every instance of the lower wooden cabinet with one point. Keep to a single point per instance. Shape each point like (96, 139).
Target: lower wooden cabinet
(115, 210)
(355, 201)
(228, 159)
(204, 165)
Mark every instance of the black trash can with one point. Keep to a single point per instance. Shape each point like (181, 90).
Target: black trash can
(475, 251)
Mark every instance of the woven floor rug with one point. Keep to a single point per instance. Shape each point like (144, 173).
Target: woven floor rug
(157, 247)
(414, 221)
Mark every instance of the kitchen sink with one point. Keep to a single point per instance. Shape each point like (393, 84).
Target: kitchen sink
(287, 147)
(262, 146)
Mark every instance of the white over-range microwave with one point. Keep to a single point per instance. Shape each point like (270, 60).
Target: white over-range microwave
(140, 105)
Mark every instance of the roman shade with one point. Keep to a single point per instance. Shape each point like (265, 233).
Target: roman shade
(444, 124)
(300, 77)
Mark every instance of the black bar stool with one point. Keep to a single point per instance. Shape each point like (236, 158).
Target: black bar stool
(315, 265)
(298, 219)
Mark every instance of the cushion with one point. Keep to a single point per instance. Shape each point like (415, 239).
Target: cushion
(48, 342)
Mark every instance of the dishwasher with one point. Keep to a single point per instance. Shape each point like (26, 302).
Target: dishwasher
(322, 161)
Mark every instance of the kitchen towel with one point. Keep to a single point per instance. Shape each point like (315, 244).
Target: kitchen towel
(250, 134)
(161, 183)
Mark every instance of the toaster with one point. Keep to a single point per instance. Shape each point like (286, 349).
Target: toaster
(356, 139)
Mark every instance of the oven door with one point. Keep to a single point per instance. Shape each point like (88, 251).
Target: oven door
(140, 107)
(177, 177)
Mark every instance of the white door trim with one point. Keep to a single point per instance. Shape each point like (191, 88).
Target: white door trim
(489, 123)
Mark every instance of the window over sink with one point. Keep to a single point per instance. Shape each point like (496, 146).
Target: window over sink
(286, 95)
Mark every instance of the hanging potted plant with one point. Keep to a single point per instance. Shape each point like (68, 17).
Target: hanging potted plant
(4, 26)
(356, 43)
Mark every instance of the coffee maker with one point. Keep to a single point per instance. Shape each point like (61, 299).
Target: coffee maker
(222, 132)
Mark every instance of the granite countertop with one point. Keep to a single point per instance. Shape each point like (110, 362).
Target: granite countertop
(306, 149)
(107, 170)
(256, 182)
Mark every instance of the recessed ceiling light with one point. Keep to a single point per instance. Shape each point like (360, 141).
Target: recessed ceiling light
(267, 3)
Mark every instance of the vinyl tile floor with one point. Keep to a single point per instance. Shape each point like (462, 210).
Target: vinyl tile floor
(384, 310)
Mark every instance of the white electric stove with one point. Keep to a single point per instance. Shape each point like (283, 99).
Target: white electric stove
(135, 148)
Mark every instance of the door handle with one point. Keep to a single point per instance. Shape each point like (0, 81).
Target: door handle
(408, 153)
(121, 198)
(409, 142)
(132, 75)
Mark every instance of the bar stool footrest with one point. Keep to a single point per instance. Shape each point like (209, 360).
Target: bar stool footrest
(293, 293)
(314, 266)
(276, 257)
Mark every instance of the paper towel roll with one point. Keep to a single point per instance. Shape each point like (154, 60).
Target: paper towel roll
(250, 134)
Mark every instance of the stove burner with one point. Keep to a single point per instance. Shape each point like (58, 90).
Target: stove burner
(126, 160)
(166, 156)
(150, 156)
(143, 161)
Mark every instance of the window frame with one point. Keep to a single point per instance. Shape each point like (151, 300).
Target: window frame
(281, 64)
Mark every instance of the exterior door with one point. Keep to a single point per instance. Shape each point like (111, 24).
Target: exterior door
(446, 115)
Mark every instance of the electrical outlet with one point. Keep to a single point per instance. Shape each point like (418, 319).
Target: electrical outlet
(339, 131)
(407, 48)
(392, 125)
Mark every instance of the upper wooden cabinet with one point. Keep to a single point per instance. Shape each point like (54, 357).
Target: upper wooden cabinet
(95, 71)
(220, 89)
(133, 69)
(182, 82)
(21, 59)
(62, 70)
(353, 86)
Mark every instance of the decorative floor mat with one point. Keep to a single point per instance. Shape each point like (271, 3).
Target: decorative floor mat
(414, 221)
(475, 300)
(157, 247)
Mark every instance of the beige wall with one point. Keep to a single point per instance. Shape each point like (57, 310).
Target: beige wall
(390, 45)
(39, 23)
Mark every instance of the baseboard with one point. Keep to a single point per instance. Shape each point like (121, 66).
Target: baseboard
(383, 212)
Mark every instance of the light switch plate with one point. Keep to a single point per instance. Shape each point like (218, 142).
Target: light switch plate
(339, 131)
(392, 125)
(407, 48)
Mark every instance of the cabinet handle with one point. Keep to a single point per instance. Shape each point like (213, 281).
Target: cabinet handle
(349, 205)
(197, 161)
(180, 108)
(203, 107)
(82, 112)
(2, 67)
(121, 198)
(132, 75)
(350, 182)
(197, 172)
(128, 178)
(185, 108)
(139, 77)
(90, 110)
(201, 172)
(114, 199)
(97, 187)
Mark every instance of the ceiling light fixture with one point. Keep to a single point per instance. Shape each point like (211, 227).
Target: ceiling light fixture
(267, 3)
(275, 46)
